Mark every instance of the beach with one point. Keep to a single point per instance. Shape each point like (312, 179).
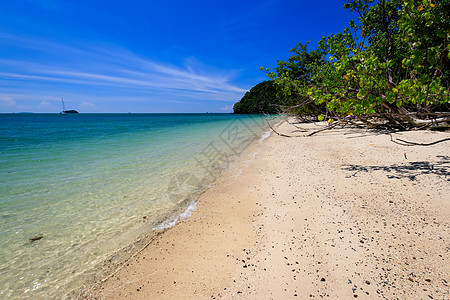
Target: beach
(77, 190)
(343, 214)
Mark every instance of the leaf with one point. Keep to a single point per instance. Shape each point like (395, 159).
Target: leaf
(320, 118)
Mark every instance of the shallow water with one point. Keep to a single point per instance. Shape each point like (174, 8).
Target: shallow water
(91, 184)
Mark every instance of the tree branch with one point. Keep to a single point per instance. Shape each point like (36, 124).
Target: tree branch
(280, 134)
(408, 143)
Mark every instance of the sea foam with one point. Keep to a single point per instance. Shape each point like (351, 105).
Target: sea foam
(83, 182)
(172, 221)
(265, 136)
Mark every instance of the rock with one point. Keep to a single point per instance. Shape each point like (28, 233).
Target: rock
(37, 237)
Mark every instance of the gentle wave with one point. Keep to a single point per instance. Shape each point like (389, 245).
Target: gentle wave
(265, 136)
(94, 183)
(172, 221)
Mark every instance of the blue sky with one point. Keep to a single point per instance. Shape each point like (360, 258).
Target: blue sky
(146, 55)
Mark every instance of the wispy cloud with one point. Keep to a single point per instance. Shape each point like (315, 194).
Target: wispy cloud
(44, 105)
(105, 69)
(227, 108)
(8, 103)
(86, 106)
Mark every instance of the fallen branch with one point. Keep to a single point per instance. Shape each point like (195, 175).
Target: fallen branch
(408, 143)
(301, 129)
(280, 134)
(331, 126)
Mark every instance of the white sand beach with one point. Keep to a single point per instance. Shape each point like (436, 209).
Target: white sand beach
(343, 214)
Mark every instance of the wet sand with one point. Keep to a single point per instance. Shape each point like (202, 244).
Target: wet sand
(342, 214)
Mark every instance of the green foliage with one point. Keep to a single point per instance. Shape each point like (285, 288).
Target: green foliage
(396, 60)
(293, 76)
(260, 99)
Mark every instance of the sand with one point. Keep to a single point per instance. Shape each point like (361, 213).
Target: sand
(342, 214)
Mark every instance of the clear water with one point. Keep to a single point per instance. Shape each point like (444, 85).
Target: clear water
(91, 184)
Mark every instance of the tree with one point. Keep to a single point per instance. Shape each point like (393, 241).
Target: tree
(261, 98)
(390, 70)
(293, 76)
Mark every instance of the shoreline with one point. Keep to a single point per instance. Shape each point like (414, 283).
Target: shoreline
(186, 205)
(343, 214)
(94, 195)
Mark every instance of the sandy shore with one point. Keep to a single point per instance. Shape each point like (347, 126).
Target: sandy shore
(343, 214)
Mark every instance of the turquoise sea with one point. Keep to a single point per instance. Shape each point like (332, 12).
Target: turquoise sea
(92, 188)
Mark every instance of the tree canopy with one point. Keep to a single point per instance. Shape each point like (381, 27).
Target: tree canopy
(391, 69)
(262, 98)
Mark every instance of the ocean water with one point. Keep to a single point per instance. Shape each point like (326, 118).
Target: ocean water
(94, 186)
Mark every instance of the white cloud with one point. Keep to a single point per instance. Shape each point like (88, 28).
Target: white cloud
(88, 107)
(227, 108)
(9, 104)
(107, 71)
(7, 101)
(44, 104)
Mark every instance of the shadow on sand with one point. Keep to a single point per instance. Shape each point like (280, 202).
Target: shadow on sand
(440, 167)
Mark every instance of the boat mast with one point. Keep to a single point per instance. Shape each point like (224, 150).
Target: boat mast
(64, 107)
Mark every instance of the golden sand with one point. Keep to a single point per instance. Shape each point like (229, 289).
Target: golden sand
(342, 214)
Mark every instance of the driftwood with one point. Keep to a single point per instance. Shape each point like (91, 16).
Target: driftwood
(408, 143)
(280, 134)
(330, 126)
(389, 117)
(350, 119)
(299, 128)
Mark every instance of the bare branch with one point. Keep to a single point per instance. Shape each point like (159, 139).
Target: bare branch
(408, 143)
(331, 126)
(280, 134)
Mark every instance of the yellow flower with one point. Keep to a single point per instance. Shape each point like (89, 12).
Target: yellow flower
(431, 4)
(420, 8)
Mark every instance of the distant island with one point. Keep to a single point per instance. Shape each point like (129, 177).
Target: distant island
(262, 98)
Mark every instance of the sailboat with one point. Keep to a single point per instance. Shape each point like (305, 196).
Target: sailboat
(64, 111)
